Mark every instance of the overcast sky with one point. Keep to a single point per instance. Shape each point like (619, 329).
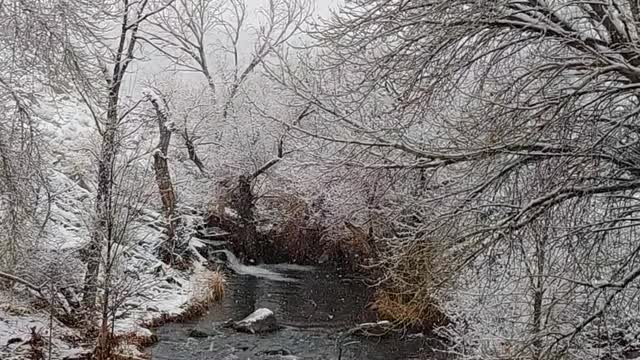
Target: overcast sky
(155, 66)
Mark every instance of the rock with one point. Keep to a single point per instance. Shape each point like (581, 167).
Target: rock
(323, 258)
(195, 333)
(379, 328)
(260, 321)
(277, 352)
(153, 308)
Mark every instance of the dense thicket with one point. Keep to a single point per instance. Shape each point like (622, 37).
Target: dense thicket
(508, 133)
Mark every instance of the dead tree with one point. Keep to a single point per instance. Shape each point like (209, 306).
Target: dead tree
(163, 180)
(244, 204)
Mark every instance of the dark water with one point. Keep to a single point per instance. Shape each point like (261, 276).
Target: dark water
(315, 308)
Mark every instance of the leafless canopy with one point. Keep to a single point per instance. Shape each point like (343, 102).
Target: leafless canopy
(518, 121)
(187, 35)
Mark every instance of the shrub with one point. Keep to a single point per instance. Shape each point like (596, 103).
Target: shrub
(405, 310)
(413, 276)
(215, 285)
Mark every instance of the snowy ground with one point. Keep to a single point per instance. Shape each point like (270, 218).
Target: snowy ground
(162, 298)
(16, 321)
(153, 290)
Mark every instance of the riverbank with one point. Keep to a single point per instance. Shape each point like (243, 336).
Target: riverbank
(181, 299)
(153, 294)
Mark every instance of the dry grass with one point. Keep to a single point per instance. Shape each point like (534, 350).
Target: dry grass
(297, 239)
(407, 311)
(214, 285)
(302, 238)
(415, 277)
(129, 347)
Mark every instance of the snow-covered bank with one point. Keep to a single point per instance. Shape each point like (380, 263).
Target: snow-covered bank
(169, 298)
(145, 291)
(16, 321)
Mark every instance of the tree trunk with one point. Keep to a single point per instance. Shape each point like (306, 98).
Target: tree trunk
(244, 205)
(106, 161)
(103, 206)
(165, 185)
(191, 149)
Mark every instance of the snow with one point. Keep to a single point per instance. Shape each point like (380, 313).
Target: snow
(154, 289)
(231, 213)
(16, 322)
(291, 267)
(198, 243)
(70, 209)
(214, 232)
(257, 271)
(258, 315)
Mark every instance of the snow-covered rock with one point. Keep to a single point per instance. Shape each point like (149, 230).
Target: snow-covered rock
(260, 321)
(372, 329)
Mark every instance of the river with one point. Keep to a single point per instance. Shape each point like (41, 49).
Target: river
(314, 306)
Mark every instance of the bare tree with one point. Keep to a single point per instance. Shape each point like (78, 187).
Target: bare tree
(519, 118)
(133, 15)
(130, 196)
(192, 34)
(169, 248)
(186, 35)
(21, 180)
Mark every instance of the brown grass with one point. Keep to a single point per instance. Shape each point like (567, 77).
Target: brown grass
(415, 277)
(129, 347)
(214, 286)
(407, 311)
(300, 238)
(297, 239)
